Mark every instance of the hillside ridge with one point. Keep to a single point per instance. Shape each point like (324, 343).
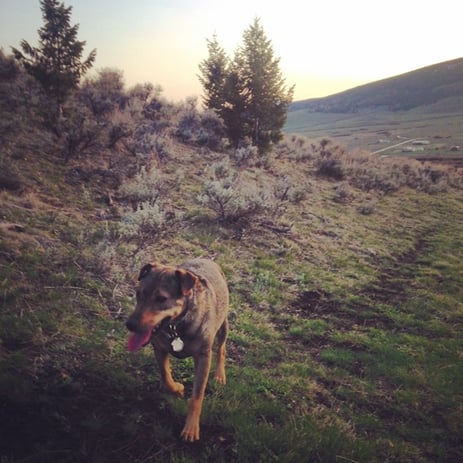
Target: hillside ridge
(421, 87)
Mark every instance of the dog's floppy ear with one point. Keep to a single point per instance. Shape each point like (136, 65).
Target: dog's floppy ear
(187, 281)
(145, 270)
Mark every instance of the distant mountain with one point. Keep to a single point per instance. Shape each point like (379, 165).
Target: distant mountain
(440, 84)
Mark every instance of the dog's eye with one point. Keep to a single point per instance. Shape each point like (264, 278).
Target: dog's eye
(160, 299)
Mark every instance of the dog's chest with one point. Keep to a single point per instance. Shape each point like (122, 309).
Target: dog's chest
(175, 339)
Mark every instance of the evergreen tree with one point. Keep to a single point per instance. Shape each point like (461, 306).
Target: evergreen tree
(249, 93)
(56, 63)
(234, 108)
(213, 75)
(266, 97)
(222, 89)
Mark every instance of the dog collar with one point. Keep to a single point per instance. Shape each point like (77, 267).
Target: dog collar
(173, 329)
(176, 343)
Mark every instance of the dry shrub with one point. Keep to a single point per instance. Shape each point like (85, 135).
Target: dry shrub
(205, 129)
(329, 160)
(389, 174)
(145, 187)
(367, 207)
(9, 177)
(233, 197)
(369, 172)
(295, 148)
(342, 193)
(146, 221)
(149, 212)
(245, 156)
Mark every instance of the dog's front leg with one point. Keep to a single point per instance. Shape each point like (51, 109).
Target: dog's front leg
(202, 362)
(166, 375)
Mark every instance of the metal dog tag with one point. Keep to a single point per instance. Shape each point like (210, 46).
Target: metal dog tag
(177, 344)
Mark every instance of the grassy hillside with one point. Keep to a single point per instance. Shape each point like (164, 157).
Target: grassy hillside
(422, 87)
(346, 291)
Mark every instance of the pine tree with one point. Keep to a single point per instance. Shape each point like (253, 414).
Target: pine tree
(213, 75)
(249, 93)
(222, 89)
(234, 109)
(266, 96)
(56, 63)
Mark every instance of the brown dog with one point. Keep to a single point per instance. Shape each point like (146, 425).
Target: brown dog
(181, 311)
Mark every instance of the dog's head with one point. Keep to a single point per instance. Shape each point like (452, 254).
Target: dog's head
(161, 294)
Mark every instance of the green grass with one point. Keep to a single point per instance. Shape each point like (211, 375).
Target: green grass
(345, 341)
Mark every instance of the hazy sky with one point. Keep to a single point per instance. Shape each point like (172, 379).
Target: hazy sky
(325, 46)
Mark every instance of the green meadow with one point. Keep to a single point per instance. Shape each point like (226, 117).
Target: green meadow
(346, 307)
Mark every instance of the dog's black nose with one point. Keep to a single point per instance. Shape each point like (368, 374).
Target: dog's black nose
(131, 324)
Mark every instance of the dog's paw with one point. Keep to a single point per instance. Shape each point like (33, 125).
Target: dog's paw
(178, 389)
(190, 433)
(174, 388)
(220, 377)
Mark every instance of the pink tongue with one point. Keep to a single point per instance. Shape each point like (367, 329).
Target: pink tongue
(138, 340)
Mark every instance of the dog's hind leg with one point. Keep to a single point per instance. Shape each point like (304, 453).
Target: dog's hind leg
(222, 334)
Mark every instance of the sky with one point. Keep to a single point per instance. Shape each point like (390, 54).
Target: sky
(324, 46)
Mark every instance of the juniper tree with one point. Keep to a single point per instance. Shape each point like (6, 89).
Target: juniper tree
(249, 92)
(265, 95)
(56, 63)
(213, 75)
(221, 89)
